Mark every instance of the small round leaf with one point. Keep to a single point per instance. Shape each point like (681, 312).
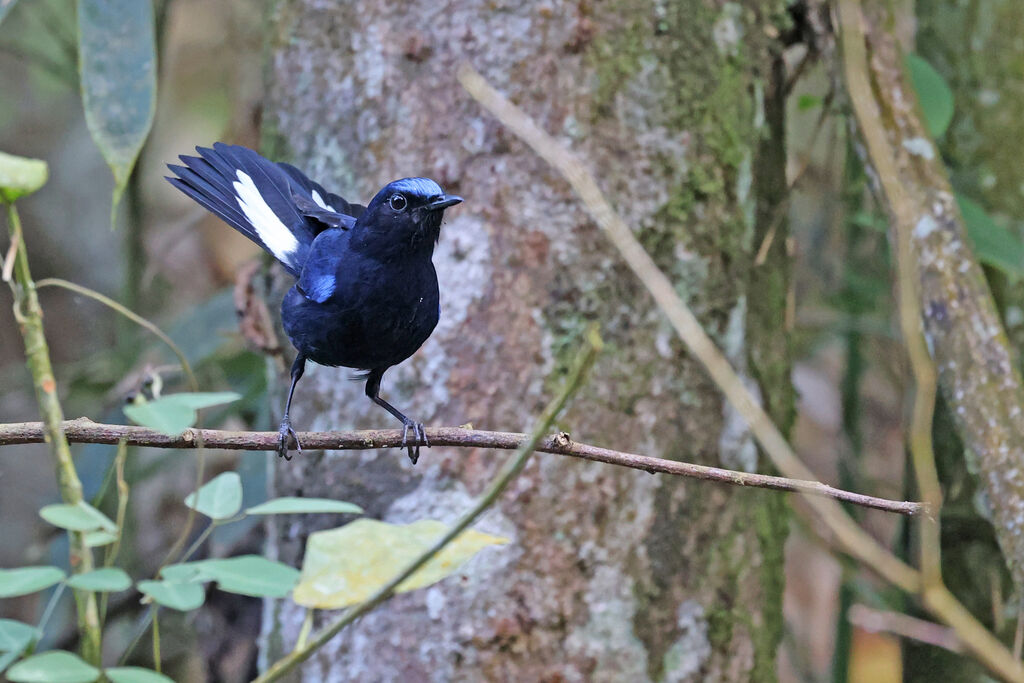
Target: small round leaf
(78, 517)
(106, 580)
(19, 176)
(15, 636)
(180, 596)
(53, 667)
(135, 674)
(25, 580)
(219, 498)
(290, 505)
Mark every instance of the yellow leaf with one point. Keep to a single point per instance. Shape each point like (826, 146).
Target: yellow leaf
(346, 565)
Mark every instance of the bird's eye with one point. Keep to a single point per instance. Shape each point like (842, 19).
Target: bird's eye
(397, 202)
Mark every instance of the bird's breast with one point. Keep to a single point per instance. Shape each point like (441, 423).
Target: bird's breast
(373, 321)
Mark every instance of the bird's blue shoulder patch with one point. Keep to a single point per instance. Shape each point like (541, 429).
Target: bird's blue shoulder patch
(318, 288)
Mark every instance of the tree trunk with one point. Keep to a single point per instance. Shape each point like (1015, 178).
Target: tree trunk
(611, 574)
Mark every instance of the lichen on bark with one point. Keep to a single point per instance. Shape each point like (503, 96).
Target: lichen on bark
(612, 575)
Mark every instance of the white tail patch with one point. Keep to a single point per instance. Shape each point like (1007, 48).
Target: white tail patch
(320, 201)
(272, 232)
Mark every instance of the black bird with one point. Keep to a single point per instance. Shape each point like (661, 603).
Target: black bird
(366, 295)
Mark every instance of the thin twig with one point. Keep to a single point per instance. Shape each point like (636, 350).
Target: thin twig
(84, 430)
(905, 626)
(131, 315)
(580, 368)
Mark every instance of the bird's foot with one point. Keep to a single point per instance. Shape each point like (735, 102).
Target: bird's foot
(420, 439)
(282, 439)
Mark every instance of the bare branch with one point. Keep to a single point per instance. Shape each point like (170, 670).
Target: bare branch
(84, 430)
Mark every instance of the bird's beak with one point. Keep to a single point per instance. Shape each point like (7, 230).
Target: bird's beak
(443, 203)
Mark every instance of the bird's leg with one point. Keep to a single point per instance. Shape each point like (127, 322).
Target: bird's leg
(298, 367)
(419, 432)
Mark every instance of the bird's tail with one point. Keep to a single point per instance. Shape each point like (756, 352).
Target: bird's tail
(251, 194)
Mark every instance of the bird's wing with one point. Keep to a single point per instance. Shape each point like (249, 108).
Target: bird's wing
(327, 217)
(319, 278)
(251, 194)
(325, 207)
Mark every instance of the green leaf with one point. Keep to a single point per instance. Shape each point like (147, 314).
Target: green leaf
(78, 517)
(107, 580)
(933, 93)
(95, 539)
(8, 658)
(994, 245)
(345, 566)
(53, 667)
(19, 176)
(290, 505)
(219, 498)
(176, 595)
(805, 102)
(171, 415)
(245, 575)
(15, 636)
(117, 61)
(135, 674)
(5, 7)
(25, 580)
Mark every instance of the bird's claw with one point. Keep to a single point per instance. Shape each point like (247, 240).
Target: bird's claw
(420, 434)
(282, 439)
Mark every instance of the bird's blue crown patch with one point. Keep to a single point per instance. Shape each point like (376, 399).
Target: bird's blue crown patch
(418, 187)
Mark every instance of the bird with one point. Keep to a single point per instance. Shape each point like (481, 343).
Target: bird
(365, 296)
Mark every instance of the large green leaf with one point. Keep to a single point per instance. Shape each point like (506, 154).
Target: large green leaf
(290, 505)
(219, 498)
(175, 413)
(78, 517)
(246, 575)
(25, 580)
(117, 59)
(135, 674)
(993, 244)
(107, 580)
(53, 667)
(19, 176)
(345, 566)
(933, 93)
(182, 596)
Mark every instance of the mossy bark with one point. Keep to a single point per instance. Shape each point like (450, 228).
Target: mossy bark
(611, 575)
(973, 45)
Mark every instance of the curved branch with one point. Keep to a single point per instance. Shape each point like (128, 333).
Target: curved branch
(84, 430)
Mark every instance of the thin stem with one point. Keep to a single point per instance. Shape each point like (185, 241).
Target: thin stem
(581, 366)
(122, 512)
(123, 491)
(307, 628)
(156, 638)
(29, 316)
(854, 58)
(190, 520)
(51, 604)
(84, 430)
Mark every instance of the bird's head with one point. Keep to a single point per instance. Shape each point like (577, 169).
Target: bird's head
(405, 215)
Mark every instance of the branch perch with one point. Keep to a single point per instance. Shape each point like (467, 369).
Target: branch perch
(84, 430)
